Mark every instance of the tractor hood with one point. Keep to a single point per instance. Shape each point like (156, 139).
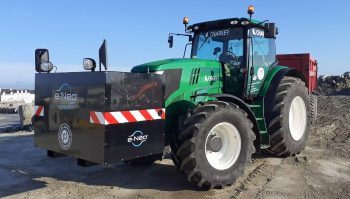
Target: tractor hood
(169, 64)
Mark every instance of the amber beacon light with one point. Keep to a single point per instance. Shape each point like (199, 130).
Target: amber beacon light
(251, 10)
(185, 21)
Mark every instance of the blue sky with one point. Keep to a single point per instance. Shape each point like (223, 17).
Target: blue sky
(136, 31)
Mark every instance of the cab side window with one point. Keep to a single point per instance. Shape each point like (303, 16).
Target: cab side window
(263, 51)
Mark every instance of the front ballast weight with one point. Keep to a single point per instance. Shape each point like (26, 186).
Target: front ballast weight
(113, 117)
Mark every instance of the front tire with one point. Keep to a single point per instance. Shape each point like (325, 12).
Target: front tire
(214, 145)
(288, 128)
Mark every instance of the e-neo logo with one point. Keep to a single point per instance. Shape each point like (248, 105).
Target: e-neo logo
(137, 138)
(65, 93)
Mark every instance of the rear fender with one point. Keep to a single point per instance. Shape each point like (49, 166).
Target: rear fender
(271, 84)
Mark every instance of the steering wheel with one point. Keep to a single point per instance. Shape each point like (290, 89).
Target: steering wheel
(228, 57)
(231, 53)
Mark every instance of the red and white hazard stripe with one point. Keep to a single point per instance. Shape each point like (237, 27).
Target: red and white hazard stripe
(39, 110)
(120, 117)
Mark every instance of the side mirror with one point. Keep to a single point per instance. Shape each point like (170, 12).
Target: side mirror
(216, 50)
(190, 38)
(46, 66)
(89, 64)
(41, 55)
(270, 30)
(171, 41)
(103, 55)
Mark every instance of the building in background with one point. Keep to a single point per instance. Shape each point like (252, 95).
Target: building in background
(13, 95)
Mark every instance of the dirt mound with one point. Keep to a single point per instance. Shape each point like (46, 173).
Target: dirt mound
(332, 130)
(334, 85)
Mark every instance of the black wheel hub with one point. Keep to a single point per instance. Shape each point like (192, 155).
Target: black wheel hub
(215, 144)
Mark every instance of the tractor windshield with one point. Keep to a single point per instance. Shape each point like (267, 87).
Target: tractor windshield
(225, 45)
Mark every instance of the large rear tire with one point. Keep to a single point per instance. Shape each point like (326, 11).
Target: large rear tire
(288, 128)
(214, 145)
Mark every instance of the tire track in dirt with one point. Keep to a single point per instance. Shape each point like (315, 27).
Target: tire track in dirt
(259, 175)
(249, 179)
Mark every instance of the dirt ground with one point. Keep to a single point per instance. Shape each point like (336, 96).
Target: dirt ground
(322, 170)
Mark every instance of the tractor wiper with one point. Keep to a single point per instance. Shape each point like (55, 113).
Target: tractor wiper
(205, 41)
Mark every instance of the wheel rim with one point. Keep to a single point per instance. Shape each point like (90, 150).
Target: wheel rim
(297, 118)
(230, 149)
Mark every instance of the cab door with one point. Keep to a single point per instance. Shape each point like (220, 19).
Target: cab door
(262, 55)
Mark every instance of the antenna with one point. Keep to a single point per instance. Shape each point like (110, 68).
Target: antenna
(103, 55)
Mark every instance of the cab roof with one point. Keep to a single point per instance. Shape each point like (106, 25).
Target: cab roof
(225, 23)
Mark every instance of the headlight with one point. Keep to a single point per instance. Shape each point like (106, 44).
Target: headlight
(234, 22)
(159, 72)
(244, 23)
(89, 64)
(46, 66)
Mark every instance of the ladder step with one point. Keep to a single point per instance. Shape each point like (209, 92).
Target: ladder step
(254, 106)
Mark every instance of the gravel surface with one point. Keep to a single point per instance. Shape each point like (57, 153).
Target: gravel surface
(322, 170)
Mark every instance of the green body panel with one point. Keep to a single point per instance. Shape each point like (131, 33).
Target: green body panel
(258, 110)
(256, 81)
(269, 78)
(207, 77)
(197, 77)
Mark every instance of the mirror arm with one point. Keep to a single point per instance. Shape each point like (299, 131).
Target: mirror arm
(190, 36)
(186, 49)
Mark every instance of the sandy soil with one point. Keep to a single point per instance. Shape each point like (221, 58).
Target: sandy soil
(322, 170)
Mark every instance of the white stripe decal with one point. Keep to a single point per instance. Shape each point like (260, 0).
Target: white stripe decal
(101, 118)
(36, 110)
(154, 114)
(91, 121)
(119, 117)
(137, 115)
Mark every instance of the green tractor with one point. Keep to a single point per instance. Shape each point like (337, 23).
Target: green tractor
(228, 101)
(231, 99)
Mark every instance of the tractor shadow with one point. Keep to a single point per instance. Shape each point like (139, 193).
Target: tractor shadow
(24, 168)
(159, 176)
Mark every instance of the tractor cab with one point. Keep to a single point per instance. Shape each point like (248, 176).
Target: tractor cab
(245, 47)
